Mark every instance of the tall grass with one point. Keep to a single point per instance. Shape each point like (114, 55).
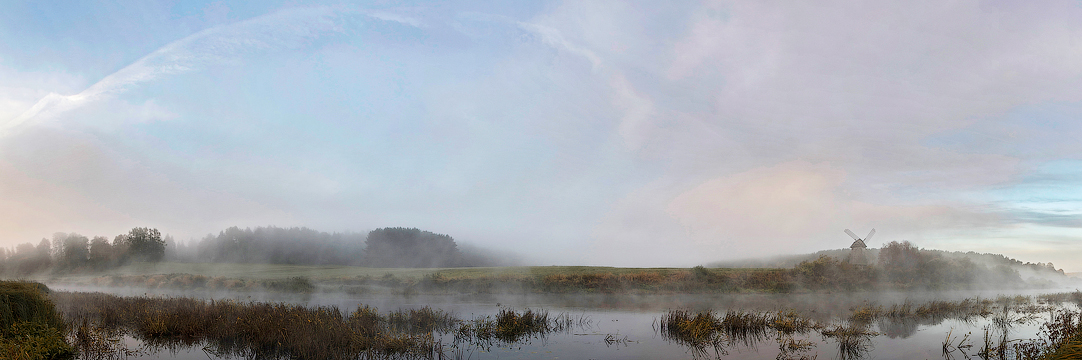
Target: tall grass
(853, 339)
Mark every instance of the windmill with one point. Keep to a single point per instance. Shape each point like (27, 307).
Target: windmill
(856, 253)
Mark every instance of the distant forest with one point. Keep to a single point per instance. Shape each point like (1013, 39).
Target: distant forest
(385, 247)
(918, 263)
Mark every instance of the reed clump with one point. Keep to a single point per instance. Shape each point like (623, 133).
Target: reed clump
(423, 320)
(866, 314)
(853, 339)
(296, 284)
(510, 326)
(705, 331)
(789, 322)
(699, 331)
(692, 329)
(733, 326)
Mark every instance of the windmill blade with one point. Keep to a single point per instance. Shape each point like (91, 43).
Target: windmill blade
(869, 235)
(851, 234)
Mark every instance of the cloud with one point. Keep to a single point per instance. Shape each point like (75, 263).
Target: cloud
(863, 88)
(637, 109)
(786, 208)
(884, 72)
(20, 90)
(660, 134)
(56, 179)
(282, 29)
(401, 19)
(775, 204)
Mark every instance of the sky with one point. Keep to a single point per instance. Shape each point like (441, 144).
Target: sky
(658, 133)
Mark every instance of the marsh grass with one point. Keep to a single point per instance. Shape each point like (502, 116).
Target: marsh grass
(794, 349)
(280, 331)
(509, 326)
(706, 332)
(262, 330)
(789, 322)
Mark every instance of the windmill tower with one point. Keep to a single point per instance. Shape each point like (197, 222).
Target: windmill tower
(856, 251)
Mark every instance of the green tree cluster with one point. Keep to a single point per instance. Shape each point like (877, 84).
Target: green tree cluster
(410, 247)
(69, 252)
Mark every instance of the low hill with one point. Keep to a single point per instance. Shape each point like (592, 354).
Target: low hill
(1026, 270)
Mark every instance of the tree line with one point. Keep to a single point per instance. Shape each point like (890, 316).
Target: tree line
(74, 252)
(384, 247)
(903, 265)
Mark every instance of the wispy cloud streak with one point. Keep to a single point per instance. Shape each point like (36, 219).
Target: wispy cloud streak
(283, 29)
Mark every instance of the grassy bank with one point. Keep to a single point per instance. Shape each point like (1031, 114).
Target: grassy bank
(822, 275)
(30, 327)
(350, 279)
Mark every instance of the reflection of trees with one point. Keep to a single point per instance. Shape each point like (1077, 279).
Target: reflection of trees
(904, 327)
(898, 327)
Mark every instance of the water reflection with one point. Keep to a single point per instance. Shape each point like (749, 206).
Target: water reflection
(853, 339)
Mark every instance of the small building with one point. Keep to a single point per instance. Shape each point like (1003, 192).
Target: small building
(856, 253)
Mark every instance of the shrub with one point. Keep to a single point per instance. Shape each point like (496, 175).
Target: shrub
(26, 302)
(25, 340)
(297, 284)
(30, 327)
